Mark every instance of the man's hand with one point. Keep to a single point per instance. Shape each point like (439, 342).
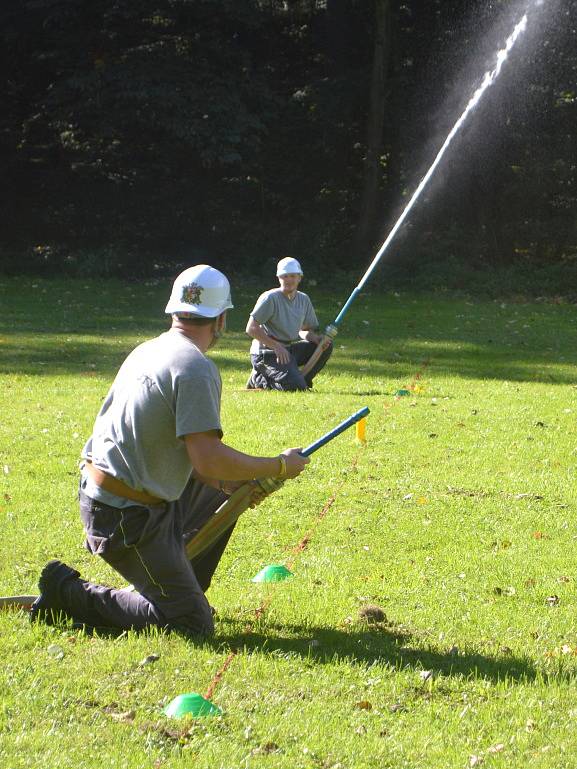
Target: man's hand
(257, 494)
(229, 487)
(295, 462)
(282, 354)
(314, 338)
(310, 336)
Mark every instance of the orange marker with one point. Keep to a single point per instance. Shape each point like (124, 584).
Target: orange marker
(361, 428)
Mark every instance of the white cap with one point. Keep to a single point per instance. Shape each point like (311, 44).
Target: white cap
(288, 266)
(200, 291)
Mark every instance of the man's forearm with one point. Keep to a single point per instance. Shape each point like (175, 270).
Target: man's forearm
(262, 337)
(233, 465)
(214, 461)
(256, 331)
(265, 339)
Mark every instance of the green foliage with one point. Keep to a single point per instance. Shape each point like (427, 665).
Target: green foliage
(238, 128)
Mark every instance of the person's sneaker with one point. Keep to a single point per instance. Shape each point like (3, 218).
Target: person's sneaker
(253, 382)
(256, 381)
(49, 606)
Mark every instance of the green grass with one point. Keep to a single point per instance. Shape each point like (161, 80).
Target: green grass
(456, 518)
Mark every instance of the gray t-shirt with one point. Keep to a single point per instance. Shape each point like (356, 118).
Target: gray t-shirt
(165, 389)
(283, 318)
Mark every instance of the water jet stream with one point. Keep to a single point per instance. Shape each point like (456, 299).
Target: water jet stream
(488, 79)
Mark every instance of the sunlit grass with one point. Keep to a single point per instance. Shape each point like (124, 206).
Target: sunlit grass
(456, 518)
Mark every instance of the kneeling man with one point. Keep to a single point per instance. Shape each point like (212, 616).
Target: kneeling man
(155, 471)
(283, 325)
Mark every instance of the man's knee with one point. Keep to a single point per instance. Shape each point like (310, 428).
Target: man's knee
(291, 379)
(276, 376)
(197, 623)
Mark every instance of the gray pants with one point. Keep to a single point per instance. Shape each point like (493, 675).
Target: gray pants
(146, 545)
(268, 374)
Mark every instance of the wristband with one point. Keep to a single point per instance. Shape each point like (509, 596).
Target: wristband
(282, 461)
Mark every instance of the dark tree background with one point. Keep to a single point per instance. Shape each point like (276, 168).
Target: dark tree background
(142, 135)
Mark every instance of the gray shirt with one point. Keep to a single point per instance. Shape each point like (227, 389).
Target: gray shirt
(165, 389)
(283, 318)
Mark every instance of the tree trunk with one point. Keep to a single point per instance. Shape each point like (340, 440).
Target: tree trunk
(375, 125)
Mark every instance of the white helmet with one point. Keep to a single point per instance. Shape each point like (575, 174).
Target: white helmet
(199, 291)
(288, 266)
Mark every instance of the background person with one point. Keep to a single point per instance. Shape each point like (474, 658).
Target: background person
(155, 470)
(283, 325)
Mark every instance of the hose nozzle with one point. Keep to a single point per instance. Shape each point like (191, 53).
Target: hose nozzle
(331, 330)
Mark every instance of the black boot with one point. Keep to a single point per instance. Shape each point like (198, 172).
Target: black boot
(50, 606)
(63, 596)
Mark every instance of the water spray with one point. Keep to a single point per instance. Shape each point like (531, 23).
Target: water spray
(488, 79)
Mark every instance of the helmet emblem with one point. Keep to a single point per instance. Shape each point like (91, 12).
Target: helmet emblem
(191, 293)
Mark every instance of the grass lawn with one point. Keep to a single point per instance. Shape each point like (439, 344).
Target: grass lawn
(456, 518)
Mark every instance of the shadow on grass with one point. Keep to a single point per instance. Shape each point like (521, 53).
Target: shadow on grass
(47, 355)
(380, 644)
(74, 325)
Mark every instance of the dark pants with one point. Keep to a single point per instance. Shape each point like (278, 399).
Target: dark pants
(268, 374)
(146, 545)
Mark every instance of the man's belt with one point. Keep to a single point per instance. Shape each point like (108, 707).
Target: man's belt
(282, 341)
(119, 488)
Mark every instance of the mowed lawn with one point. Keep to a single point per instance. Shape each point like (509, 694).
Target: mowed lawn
(456, 519)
